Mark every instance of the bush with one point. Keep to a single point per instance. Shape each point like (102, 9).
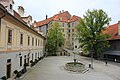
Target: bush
(26, 64)
(4, 78)
(15, 72)
(31, 61)
(85, 54)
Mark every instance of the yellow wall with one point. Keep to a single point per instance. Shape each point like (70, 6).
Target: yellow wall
(16, 30)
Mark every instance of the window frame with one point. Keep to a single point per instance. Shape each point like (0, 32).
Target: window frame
(21, 38)
(28, 40)
(10, 36)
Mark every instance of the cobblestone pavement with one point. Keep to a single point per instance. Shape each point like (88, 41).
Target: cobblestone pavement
(51, 68)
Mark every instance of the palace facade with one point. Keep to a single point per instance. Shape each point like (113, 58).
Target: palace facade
(20, 43)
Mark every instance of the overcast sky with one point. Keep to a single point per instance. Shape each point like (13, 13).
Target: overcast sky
(39, 8)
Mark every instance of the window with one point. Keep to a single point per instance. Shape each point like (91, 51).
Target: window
(62, 24)
(69, 35)
(38, 55)
(28, 58)
(9, 36)
(36, 42)
(69, 30)
(41, 42)
(11, 6)
(21, 38)
(72, 24)
(72, 38)
(35, 55)
(28, 40)
(21, 61)
(68, 25)
(32, 41)
(72, 30)
(63, 30)
(73, 35)
(32, 57)
(25, 59)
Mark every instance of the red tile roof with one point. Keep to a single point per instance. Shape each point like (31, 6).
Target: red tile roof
(63, 17)
(74, 18)
(113, 31)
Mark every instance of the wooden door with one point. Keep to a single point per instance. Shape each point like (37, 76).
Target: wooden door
(8, 68)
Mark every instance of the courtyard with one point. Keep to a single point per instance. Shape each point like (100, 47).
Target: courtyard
(52, 68)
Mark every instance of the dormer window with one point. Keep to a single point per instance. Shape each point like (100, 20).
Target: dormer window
(11, 6)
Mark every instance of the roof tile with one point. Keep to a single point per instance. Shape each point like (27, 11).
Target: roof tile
(63, 17)
(113, 31)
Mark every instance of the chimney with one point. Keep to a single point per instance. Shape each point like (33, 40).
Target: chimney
(46, 16)
(119, 27)
(35, 23)
(62, 11)
(21, 11)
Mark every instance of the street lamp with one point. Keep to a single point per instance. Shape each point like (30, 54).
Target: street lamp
(92, 51)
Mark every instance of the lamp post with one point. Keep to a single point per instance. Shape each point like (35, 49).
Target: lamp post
(92, 51)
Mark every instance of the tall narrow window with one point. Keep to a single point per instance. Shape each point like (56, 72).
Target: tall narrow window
(69, 35)
(63, 30)
(9, 36)
(32, 41)
(28, 40)
(72, 24)
(69, 30)
(32, 57)
(38, 55)
(21, 61)
(35, 55)
(72, 30)
(62, 24)
(25, 59)
(21, 38)
(36, 42)
(41, 42)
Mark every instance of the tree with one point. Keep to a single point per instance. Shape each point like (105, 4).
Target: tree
(90, 32)
(54, 39)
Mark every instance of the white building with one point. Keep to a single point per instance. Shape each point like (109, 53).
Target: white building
(19, 42)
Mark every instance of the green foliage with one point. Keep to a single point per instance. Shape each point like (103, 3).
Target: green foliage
(90, 30)
(54, 39)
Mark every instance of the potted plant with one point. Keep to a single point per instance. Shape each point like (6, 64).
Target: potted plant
(4, 78)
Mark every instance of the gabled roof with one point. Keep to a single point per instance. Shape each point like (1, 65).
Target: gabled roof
(44, 22)
(62, 17)
(113, 31)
